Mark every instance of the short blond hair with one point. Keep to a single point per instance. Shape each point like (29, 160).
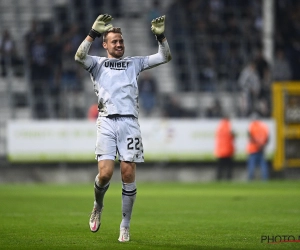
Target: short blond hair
(111, 30)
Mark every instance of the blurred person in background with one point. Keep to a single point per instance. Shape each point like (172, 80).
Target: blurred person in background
(147, 92)
(258, 134)
(263, 68)
(55, 59)
(93, 112)
(71, 74)
(118, 131)
(40, 69)
(71, 78)
(250, 85)
(73, 37)
(31, 35)
(224, 149)
(215, 110)
(9, 58)
(281, 70)
(233, 62)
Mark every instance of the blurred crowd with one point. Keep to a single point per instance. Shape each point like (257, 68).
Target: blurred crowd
(220, 39)
(53, 73)
(49, 61)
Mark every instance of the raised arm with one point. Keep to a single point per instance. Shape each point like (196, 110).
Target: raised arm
(81, 55)
(164, 54)
(100, 25)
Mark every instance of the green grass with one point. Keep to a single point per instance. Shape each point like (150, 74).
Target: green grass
(166, 216)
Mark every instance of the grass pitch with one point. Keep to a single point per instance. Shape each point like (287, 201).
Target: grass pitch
(210, 216)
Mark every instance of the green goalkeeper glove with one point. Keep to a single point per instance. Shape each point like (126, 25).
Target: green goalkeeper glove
(101, 25)
(158, 27)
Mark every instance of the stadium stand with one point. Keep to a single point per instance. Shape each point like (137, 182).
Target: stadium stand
(211, 42)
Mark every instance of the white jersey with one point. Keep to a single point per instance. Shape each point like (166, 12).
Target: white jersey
(115, 80)
(115, 84)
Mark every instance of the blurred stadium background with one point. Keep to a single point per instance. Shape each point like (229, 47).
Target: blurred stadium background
(212, 43)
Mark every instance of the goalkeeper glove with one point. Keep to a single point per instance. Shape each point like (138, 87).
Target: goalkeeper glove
(158, 27)
(101, 25)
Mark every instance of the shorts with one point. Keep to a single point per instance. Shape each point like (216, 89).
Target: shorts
(119, 135)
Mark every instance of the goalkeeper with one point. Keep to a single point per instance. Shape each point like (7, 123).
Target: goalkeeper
(118, 132)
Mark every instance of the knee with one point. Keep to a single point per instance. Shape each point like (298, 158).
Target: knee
(104, 175)
(104, 178)
(128, 172)
(128, 177)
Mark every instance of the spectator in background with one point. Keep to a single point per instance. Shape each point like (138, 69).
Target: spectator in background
(291, 35)
(71, 83)
(40, 75)
(233, 63)
(264, 71)
(55, 58)
(30, 36)
(73, 37)
(224, 149)
(147, 91)
(71, 80)
(249, 83)
(93, 112)
(281, 70)
(258, 134)
(207, 75)
(71, 74)
(262, 66)
(6, 52)
(232, 30)
(9, 58)
(215, 110)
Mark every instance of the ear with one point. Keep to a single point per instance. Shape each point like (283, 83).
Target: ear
(104, 44)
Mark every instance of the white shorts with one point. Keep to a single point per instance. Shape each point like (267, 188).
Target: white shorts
(120, 135)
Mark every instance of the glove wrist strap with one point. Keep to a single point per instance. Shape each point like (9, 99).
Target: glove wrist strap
(160, 37)
(93, 34)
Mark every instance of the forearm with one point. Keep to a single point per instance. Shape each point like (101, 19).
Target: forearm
(81, 55)
(162, 56)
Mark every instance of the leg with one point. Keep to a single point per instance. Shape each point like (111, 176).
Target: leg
(229, 163)
(128, 197)
(219, 169)
(264, 167)
(105, 168)
(130, 150)
(251, 166)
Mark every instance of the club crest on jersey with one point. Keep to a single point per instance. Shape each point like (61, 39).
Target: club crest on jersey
(116, 65)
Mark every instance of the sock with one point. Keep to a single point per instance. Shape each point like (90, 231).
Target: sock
(128, 198)
(99, 193)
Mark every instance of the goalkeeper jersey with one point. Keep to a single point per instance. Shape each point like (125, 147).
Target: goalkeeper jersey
(115, 80)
